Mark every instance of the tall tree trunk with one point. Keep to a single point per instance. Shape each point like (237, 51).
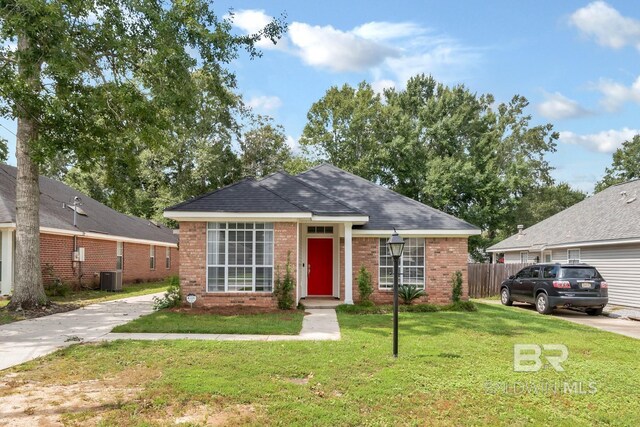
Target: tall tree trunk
(28, 290)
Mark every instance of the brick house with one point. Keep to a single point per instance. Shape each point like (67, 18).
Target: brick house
(108, 240)
(329, 223)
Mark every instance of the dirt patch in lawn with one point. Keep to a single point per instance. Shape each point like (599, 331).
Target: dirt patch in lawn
(32, 403)
(233, 310)
(48, 310)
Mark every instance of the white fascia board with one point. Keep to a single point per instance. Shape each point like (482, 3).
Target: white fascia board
(101, 236)
(355, 219)
(418, 233)
(569, 245)
(235, 216)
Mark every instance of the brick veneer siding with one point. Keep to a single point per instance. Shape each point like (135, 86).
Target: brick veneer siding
(193, 239)
(100, 255)
(443, 257)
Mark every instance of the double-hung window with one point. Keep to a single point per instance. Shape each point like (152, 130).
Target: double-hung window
(167, 257)
(152, 257)
(411, 264)
(119, 253)
(524, 257)
(573, 256)
(239, 257)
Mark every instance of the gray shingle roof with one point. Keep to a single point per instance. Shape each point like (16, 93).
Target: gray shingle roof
(306, 196)
(99, 218)
(386, 208)
(246, 195)
(608, 215)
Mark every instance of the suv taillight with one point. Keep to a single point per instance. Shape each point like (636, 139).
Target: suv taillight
(562, 284)
(604, 285)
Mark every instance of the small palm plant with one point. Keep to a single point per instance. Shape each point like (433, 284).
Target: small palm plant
(409, 292)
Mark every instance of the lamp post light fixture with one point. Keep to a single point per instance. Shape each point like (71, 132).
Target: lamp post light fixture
(396, 246)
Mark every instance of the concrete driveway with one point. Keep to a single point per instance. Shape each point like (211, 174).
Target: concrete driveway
(27, 339)
(629, 328)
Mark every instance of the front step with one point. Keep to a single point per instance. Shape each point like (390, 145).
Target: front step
(320, 303)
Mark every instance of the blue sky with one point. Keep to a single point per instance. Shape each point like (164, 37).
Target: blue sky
(578, 62)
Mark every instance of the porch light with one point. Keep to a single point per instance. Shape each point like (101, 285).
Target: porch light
(396, 246)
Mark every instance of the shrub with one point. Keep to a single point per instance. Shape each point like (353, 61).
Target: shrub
(171, 298)
(456, 286)
(409, 292)
(283, 288)
(364, 284)
(415, 308)
(56, 288)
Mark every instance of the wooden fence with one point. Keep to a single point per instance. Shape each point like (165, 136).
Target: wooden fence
(485, 279)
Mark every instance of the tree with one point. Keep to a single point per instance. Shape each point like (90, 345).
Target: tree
(342, 129)
(626, 164)
(92, 79)
(444, 146)
(264, 149)
(543, 202)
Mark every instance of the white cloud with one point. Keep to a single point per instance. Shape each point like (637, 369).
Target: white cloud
(616, 94)
(606, 25)
(390, 50)
(265, 103)
(251, 21)
(388, 30)
(379, 86)
(557, 106)
(327, 47)
(293, 143)
(604, 142)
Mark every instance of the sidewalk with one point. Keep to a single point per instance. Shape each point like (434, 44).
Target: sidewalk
(318, 325)
(27, 339)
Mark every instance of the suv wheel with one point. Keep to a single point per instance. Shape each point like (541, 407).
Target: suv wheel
(594, 311)
(505, 297)
(542, 304)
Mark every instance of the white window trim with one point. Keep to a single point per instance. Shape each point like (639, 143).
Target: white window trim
(167, 257)
(569, 259)
(401, 268)
(120, 254)
(152, 256)
(226, 262)
(526, 257)
(544, 255)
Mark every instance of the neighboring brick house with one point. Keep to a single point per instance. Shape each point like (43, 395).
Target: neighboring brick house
(110, 240)
(234, 241)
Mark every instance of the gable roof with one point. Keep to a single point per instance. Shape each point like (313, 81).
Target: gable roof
(613, 214)
(326, 191)
(99, 218)
(386, 208)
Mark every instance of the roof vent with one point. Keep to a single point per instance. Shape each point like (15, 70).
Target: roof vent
(631, 200)
(623, 194)
(520, 228)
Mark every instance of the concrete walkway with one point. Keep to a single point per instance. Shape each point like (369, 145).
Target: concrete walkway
(318, 325)
(629, 328)
(27, 339)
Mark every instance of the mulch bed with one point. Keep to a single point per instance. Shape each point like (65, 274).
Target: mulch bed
(233, 310)
(52, 308)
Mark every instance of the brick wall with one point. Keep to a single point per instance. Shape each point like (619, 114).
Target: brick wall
(443, 257)
(100, 255)
(193, 239)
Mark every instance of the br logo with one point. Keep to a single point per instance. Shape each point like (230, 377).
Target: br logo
(528, 357)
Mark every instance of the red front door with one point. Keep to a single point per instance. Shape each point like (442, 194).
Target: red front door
(320, 267)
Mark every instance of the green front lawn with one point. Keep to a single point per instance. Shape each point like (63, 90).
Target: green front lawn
(285, 323)
(455, 368)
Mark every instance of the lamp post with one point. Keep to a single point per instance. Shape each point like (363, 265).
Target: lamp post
(396, 246)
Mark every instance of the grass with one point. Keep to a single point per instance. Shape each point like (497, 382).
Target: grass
(454, 368)
(86, 297)
(285, 323)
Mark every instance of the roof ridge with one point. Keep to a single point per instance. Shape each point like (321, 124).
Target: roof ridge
(209, 193)
(304, 208)
(328, 196)
(392, 191)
